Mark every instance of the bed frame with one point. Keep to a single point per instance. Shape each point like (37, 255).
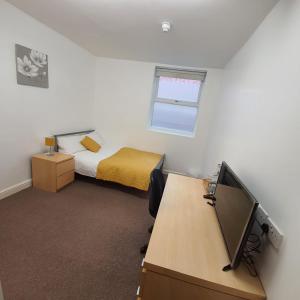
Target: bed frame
(69, 133)
(159, 166)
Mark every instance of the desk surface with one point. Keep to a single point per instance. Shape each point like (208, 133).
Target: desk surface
(187, 243)
(57, 157)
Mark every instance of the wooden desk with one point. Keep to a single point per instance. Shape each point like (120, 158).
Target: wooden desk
(1, 293)
(187, 252)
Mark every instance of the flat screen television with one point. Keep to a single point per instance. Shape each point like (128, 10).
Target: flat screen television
(235, 208)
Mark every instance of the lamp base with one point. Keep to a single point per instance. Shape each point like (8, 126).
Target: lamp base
(50, 153)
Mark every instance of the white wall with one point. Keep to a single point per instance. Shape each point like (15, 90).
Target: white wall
(27, 114)
(122, 107)
(254, 126)
(258, 133)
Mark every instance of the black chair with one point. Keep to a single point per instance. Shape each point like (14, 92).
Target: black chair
(157, 185)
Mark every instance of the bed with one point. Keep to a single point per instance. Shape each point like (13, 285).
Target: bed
(105, 164)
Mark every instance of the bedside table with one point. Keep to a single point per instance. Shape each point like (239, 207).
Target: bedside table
(51, 173)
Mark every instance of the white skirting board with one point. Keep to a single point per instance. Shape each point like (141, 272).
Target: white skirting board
(15, 188)
(166, 172)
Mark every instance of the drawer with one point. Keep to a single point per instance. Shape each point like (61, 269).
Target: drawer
(65, 166)
(64, 179)
(161, 287)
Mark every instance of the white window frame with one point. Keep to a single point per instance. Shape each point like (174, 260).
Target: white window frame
(199, 75)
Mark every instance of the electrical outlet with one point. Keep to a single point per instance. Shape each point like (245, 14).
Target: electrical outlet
(261, 215)
(275, 236)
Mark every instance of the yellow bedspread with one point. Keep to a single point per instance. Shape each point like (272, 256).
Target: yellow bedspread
(129, 167)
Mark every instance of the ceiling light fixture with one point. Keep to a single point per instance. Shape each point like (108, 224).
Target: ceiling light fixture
(165, 26)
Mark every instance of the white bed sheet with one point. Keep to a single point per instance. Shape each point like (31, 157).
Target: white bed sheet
(86, 162)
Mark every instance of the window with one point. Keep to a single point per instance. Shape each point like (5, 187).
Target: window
(176, 100)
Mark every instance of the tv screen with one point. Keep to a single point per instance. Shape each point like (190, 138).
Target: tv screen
(235, 207)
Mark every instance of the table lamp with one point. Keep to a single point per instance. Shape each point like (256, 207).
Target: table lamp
(50, 142)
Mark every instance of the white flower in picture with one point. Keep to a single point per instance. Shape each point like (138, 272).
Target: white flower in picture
(31, 66)
(26, 68)
(40, 59)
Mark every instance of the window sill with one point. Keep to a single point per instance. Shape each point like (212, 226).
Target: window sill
(172, 132)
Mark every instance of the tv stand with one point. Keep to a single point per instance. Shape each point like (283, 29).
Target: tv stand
(187, 252)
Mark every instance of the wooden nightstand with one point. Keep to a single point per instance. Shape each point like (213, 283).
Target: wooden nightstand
(51, 173)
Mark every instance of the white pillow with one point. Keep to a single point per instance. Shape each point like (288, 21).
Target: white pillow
(70, 144)
(96, 137)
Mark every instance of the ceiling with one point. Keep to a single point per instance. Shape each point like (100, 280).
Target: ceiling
(205, 33)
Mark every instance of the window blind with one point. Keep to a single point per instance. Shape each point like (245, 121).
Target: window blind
(177, 73)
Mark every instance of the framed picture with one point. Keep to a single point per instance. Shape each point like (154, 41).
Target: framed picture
(32, 67)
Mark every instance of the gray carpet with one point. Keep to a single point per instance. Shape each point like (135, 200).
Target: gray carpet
(80, 243)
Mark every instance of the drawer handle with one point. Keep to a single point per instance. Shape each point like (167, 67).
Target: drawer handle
(138, 291)
(142, 264)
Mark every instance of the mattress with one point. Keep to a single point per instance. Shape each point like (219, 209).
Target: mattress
(130, 167)
(86, 162)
